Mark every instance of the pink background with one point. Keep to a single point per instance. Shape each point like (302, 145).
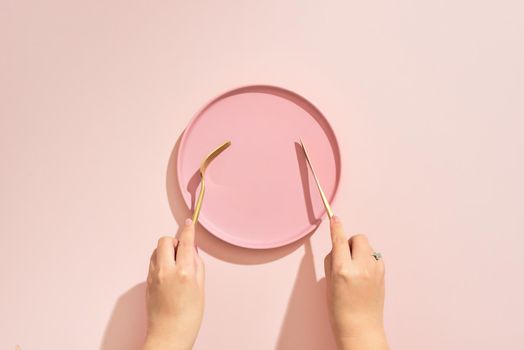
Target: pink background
(425, 98)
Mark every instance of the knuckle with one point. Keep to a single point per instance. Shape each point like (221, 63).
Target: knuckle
(161, 275)
(163, 239)
(366, 274)
(347, 273)
(363, 275)
(342, 272)
(360, 237)
(183, 274)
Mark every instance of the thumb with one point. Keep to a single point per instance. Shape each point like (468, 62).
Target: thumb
(187, 235)
(186, 245)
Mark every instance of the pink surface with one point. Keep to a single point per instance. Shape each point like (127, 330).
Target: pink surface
(259, 191)
(425, 98)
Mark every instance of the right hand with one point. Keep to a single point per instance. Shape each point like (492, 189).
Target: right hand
(355, 287)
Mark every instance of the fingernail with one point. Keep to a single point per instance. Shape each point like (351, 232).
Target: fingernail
(188, 221)
(335, 219)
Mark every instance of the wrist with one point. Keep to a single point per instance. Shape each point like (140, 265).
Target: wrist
(160, 341)
(363, 338)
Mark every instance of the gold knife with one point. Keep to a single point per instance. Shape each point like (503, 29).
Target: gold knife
(322, 194)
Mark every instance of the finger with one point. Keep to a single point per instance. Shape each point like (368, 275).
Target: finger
(165, 251)
(327, 266)
(361, 250)
(340, 252)
(186, 245)
(175, 247)
(152, 261)
(200, 269)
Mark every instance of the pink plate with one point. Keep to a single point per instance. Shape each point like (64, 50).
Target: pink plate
(259, 191)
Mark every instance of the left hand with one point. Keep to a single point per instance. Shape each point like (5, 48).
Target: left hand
(175, 292)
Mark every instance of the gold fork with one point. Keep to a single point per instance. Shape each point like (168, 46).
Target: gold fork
(203, 167)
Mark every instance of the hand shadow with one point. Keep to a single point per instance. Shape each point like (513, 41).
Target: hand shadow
(306, 323)
(127, 326)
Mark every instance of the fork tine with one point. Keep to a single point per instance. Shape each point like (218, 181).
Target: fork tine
(205, 163)
(213, 154)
